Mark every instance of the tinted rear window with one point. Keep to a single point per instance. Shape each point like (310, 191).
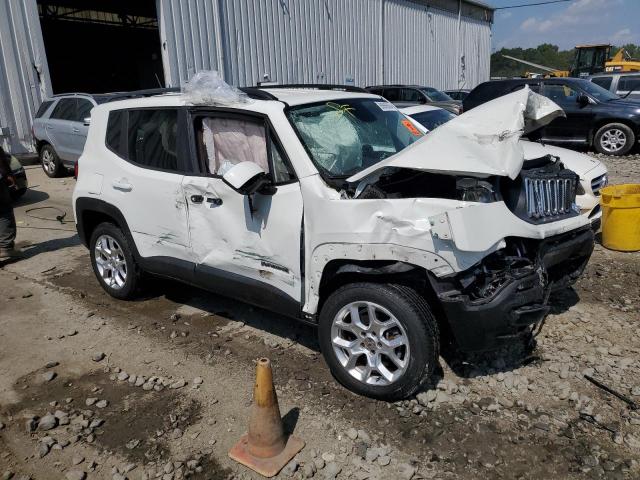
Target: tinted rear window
(630, 82)
(114, 138)
(65, 109)
(152, 138)
(604, 82)
(43, 108)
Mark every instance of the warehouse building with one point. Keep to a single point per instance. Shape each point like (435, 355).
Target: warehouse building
(95, 46)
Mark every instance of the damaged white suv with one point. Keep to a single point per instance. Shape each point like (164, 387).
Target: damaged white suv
(330, 207)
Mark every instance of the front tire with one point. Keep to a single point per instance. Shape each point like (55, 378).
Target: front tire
(614, 139)
(113, 262)
(379, 340)
(50, 162)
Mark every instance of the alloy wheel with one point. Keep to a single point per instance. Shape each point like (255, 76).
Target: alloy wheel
(48, 162)
(370, 343)
(110, 262)
(613, 140)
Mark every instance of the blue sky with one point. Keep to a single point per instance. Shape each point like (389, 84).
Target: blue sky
(566, 24)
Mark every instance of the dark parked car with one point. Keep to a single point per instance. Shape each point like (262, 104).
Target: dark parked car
(595, 116)
(458, 94)
(407, 95)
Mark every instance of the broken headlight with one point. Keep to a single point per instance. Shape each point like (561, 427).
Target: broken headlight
(475, 190)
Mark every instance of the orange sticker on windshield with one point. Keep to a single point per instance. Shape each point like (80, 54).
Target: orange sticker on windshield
(411, 127)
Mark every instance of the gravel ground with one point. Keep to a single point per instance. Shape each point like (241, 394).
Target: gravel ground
(160, 388)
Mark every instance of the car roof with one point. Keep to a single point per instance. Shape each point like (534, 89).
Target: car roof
(419, 109)
(399, 85)
(290, 96)
(609, 74)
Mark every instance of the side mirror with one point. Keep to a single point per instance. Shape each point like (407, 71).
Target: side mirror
(249, 178)
(583, 100)
(87, 121)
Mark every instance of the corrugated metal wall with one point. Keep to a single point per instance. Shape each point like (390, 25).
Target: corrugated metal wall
(190, 37)
(24, 74)
(362, 42)
(359, 42)
(422, 44)
(317, 41)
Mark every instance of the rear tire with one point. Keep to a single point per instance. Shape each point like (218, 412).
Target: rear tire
(404, 346)
(614, 139)
(113, 262)
(50, 162)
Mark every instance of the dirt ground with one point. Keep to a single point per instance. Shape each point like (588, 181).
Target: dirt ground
(161, 387)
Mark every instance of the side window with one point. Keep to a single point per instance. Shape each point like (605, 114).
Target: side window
(561, 94)
(412, 95)
(392, 94)
(282, 172)
(604, 82)
(83, 109)
(114, 140)
(65, 109)
(229, 141)
(629, 82)
(225, 142)
(43, 108)
(152, 138)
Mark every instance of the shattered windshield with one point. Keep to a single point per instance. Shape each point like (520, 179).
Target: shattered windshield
(347, 136)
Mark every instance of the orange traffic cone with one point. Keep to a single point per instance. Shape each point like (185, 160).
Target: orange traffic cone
(265, 449)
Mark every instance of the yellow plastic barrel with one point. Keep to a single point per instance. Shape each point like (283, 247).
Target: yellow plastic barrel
(621, 217)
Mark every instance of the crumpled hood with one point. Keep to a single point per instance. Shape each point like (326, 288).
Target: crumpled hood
(481, 142)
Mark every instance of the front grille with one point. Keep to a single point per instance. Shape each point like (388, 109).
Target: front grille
(598, 183)
(549, 197)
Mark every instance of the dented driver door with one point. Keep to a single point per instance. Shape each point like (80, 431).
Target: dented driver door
(248, 248)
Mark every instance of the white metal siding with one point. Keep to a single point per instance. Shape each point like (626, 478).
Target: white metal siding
(24, 74)
(325, 41)
(315, 41)
(190, 36)
(422, 45)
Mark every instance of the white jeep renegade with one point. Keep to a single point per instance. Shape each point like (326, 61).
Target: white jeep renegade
(328, 206)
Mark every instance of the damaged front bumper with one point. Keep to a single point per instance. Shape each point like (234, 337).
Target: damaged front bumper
(498, 300)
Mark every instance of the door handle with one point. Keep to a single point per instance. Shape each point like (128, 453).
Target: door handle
(48, 127)
(215, 202)
(122, 185)
(197, 199)
(76, 130)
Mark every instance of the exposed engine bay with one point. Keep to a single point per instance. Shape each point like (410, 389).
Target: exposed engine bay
(543, 191)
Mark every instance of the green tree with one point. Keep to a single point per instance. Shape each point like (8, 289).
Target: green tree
(545, 54)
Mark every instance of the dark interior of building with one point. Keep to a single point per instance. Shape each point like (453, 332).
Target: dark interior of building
(98, 46)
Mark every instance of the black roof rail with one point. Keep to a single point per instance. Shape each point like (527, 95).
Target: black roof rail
(112, 97)
(258, 94)
(316, 86)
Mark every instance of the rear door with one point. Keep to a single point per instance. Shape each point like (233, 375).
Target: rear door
(577, 125)
(58, 128)
(143, 179)
(80, 128)
(250, 247)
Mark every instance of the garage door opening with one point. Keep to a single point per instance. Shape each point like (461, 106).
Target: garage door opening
(98, 46)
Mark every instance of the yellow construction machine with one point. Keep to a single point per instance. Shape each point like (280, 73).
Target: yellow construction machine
(589, 59)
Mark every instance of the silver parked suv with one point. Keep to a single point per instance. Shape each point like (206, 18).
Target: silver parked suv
(60, 130)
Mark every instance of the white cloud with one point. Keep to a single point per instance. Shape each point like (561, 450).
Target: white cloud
(582, 21)
(622, 37)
